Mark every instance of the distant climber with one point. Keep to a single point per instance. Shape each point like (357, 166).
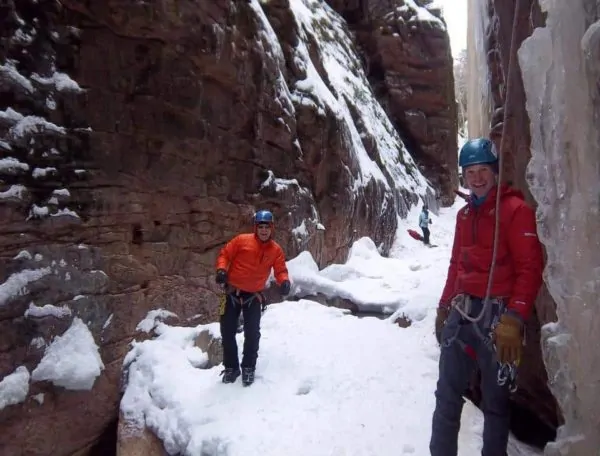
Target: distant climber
(243, 267)
(473, 333)
(424, 222)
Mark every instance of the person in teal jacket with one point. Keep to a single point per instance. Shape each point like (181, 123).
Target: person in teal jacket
(424, 222)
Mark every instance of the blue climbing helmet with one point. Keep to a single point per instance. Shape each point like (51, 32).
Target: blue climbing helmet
(477, 152)
(263, 217)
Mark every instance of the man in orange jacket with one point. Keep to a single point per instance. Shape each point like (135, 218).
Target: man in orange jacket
(475, 334)
(243, 267)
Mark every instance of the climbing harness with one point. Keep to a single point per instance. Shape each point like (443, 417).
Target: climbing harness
(236, 297)
(507, 372)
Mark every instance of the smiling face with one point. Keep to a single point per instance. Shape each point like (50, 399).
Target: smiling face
(263, 231)
(480, 179)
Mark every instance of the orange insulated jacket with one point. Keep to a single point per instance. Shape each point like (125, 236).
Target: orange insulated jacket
(248, 262)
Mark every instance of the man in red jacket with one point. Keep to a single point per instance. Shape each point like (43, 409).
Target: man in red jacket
(243, 267)
(473, 333)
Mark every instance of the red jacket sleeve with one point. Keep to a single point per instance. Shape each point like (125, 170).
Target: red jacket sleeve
(227, 253)
(528, 260)
(450, 287)
(279, 267)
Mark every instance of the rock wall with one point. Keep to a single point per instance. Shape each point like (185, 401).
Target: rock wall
(407, 54)
(136, 138)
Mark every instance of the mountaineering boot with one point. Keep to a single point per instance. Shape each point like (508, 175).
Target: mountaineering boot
(247, 376)
(230, 375)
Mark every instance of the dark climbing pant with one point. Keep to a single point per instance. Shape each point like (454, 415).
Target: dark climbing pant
(425, 235)
(250, 305)
(455, 369)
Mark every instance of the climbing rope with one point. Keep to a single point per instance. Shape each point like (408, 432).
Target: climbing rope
(510, 77)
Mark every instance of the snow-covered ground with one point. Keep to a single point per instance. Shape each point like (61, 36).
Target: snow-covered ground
(328, 383)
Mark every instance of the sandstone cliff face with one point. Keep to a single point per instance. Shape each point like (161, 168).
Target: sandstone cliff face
(407, 54)
(136, 138)
(551, 116)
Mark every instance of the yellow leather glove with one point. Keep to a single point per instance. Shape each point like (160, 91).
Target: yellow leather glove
(508, 337)
(440, 321)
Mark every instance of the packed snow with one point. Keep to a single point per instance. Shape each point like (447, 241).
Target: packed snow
(71, 360)
(328, 383)
(14, 387)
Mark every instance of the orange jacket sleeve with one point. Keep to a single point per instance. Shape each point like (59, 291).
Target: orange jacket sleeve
(227, 254)
(280, 268)
(450, 287)
(528, 260)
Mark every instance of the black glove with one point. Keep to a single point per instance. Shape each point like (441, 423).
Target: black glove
(221, 278)
(284, 288)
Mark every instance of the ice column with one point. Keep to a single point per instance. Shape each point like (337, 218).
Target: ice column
(561, 72)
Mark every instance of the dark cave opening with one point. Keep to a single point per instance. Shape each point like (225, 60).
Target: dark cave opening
(106, 445)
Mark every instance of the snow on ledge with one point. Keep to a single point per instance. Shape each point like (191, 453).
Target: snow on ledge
(16, 284)
(281, 184)
(14, 387)
(12, 165)
(47, 310)
(72, 360)
(153, 319)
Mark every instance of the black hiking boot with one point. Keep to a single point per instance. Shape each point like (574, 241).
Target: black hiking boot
(230, 375)
(247, 376)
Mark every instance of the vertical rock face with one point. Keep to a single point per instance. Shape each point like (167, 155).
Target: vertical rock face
(500, 45)
(136, 138)
(561, 72)
(551, 116)
(407, 53)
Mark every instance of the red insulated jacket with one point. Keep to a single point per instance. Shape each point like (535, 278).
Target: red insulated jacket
(519, 258)
(248, 262)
